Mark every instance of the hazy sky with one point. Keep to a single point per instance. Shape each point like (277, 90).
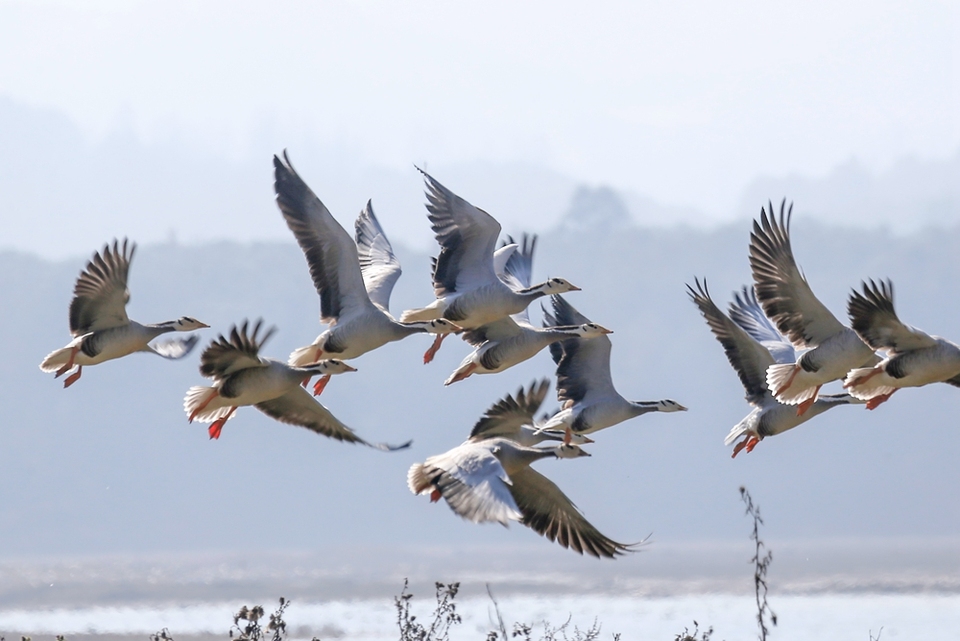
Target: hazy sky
(685, 102)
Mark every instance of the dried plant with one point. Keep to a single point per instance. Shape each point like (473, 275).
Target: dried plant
(251, 630)
(687, 635)
(761, 564)
(445, 615)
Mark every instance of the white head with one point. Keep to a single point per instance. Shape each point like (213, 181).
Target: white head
(666, 405)
(558, 286)
(441, 326)
(591, 330)
(187, 324)
(331, 366)
(568, 450)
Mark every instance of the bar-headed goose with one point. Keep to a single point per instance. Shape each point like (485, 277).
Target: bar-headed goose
(242, 377)
(512, 417)
(913, 359)
(752, 345)
(465, 283)
(832, 348)
(99, 323)
(489, 479)
(513, 339)
(585, 388)
(354, 279)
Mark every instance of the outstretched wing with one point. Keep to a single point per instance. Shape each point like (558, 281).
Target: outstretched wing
(175, 348)
(509, 414)
(467, 236)
(241, 350)
(782, 290)
(378, 264)
(746, 312)
(549, 512)
(873, 317)
(748, 357)
(583, 366)
(100, 296)
(330, 252)
(297, 407)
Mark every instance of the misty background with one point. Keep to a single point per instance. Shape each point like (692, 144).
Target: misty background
(638, 141)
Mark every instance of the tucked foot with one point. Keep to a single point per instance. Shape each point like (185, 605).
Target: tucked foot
(749, 442)
(69, 365)
(321, 383)
(807, 404)
(212, 395)
(785, 386)
(876, 401)
(217, 425)
(435, 495)
(862, 379)
(319, 356)
(73, 378)
(430, 353)
(462, 374)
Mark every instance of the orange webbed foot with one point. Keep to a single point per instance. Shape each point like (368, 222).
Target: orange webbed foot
(876, 401)
(435, 495)
(73, 378)
(430, 353)
(321, 384)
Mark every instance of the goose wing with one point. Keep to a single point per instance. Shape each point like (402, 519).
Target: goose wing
(175, 348)
(781, 287)
(241, 350)
(100, 295)
(517, 271)
(378, 264)
(746, 312)
(297, 407)
(473, 482)
(583, 366)
(549, 512)
(874, 319)
(509, 414)
(467, 236)
(748, 357)
(330, 252)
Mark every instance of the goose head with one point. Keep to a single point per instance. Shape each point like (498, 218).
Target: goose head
(557, 286)
(666, 405)
(187, 324)
(441, 326)
(568, 450)
(591, 330)
(331, 366)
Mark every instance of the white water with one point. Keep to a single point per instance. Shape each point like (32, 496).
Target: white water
(821, 617)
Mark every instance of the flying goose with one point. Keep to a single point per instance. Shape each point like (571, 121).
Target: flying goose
(354, 279)
(513, 339)
(489, 479)
(99, 323)
(242, 377)
(512, 417)
(465, 283)
(913, 359)
(832, 348)
(584, 384)
(752, 345)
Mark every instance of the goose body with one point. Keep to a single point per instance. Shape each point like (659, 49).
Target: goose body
(914, 358)
(99, 323)
(354, 278)
(750, 343)
(467, 289)
(242, 377)
(512, 340)
(584, 384)
(831, 348)
(489, 479)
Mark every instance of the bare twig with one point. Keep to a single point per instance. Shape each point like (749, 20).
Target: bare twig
(761, 564)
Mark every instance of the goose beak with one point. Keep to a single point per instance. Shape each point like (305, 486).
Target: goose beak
(457, 329)
(587, 440)
(605, 330)
(348, 368)
(585, 453)
(574, 288)
(203, 325)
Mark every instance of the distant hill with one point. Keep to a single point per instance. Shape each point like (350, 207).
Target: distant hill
(111, 464)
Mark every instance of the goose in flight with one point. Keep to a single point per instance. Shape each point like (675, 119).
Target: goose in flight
(465, 283)
(99, 323)
(752, 345)
(585, 388)
(913, 358)
(513, 339)
(512, 417)
(353, 278)
(489, 479)
(832, 349)
(242, 377)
